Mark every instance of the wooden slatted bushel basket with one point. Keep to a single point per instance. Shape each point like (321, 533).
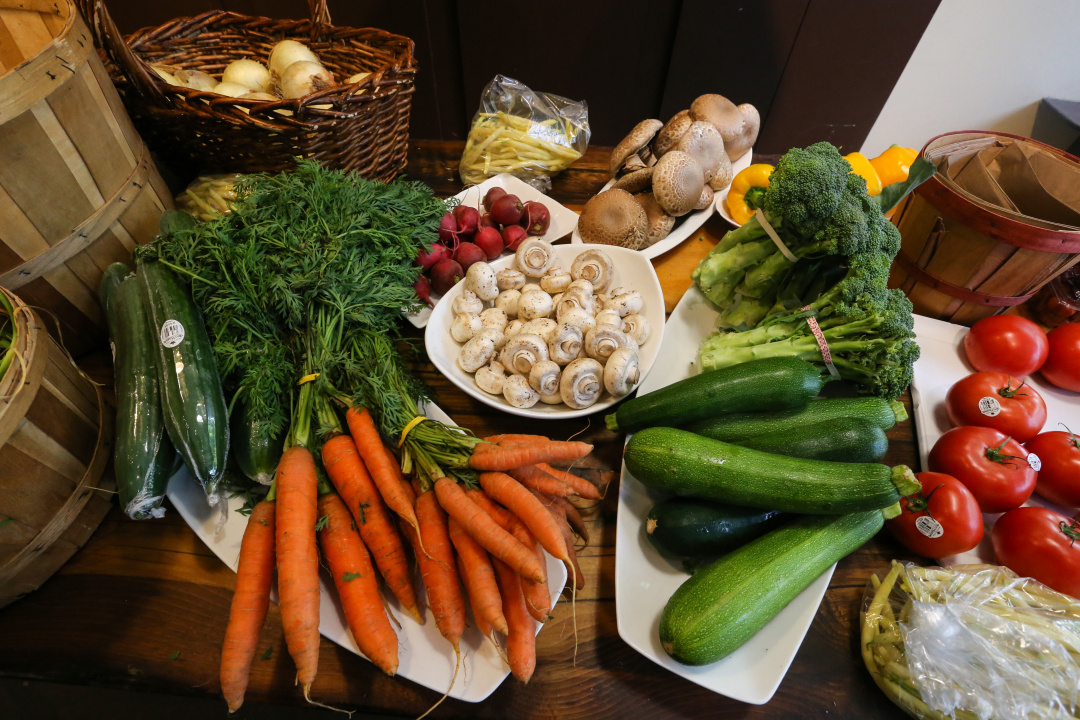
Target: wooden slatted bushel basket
(78, 189)
(55, 443)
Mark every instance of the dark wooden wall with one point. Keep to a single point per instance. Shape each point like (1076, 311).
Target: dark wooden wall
(815, 69)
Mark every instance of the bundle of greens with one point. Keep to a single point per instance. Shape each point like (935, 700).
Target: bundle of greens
(301, 289)
(843, 247)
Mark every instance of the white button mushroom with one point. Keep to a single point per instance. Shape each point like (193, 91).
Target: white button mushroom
(467, 304)
(582, 383)
(530, 287)
(594, 266)
(494, 318)
(621, 372)
(535, 257)
(464, 327)
(581, 285)
(603, 340)
(576, 316)
(634, 325)
(517, 392)
(609, 317)
(535, 305)
(556, 299)
(510, 279)
(521, 351)
(480, 278)
(513, 328)
(490, 378)
(507, 301)
(625, 302)
(556, 280)
(544, 327)
(577, 298)
(565, 343)
(476, 353)
(497, 337)
(544, 377)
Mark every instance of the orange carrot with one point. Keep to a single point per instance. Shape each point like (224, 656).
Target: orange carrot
(508, 458)
(521, 640)
(582, 487)
(515, 438)
(440, 570)
(357, 585)
(483, 528)
(532, 477)
(573, 570)
(349, 475)
(298, 560)
(254, 576)
(506, 490)
(479, 579)
(573, 517)
(372, 450)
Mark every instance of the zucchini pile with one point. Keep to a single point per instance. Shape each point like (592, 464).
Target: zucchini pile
(759, 468)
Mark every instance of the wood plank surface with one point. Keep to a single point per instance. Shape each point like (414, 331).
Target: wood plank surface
(138, 593)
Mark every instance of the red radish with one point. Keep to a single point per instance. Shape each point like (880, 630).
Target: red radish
(445, 275)
(467, 218)
(487, 221)
(512, 236)
(427, 258)
(468, 253)
(492, 195)
(448, 230)
(490, 241)
(536, 218)
(507, 210)
(422, 288)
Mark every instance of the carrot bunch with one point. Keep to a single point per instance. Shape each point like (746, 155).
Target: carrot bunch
(478, 543)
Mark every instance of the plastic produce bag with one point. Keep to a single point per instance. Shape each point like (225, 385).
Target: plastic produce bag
(528, 134)
(972, 641)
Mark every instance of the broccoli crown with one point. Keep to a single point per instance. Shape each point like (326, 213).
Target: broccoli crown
(806, 188)
(862, 288)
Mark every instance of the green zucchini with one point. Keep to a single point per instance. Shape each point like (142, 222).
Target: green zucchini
(194, 404)
(256, 451)
(143, 456)
(725, 603)
(683, 463)
(844, 439)
(733, 428)
(692, 528)
(769, 384)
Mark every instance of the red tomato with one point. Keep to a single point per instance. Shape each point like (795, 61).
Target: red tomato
(992, 466)
(1059, 476)
(1006, 343)
(996, 400)
(1062, 366)
(1041, 544)
(944, 506)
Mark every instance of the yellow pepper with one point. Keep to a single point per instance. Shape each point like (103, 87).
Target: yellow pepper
(892, 166)
(751, 181)
(860, 165)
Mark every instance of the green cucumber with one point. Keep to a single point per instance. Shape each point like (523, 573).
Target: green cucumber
(194, 404)
(725, 603)
(769, 384)
(692, 528)
(844, 439)
(733, 428)
(143, 456)
(256, 452)
(683, 463)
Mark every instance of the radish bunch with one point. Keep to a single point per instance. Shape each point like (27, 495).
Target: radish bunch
(466, 236)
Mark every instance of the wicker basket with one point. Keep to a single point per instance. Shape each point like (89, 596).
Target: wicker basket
(55, 442)
(362, 127)
(78, 189)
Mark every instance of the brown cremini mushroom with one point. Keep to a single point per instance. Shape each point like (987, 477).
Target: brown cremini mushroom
(724, 175)
(677, 183)
(751, 126)
(706, 198)
(632, 144)
(660, 223)
(736, 126)
(702, 142)
(671, 132)
(613, 217)
(634, 181)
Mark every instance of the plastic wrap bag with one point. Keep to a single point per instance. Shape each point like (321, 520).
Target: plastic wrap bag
(972, 641)
(528, 134)
(208, 196)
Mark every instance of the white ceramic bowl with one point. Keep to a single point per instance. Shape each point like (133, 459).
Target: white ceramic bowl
(632, 270)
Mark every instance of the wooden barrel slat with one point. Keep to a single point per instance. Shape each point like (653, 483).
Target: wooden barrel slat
(35, 442)
(63, 128)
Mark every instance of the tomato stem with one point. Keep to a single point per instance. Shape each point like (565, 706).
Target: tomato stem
(995, 455)
(921, 503)
(1072, 530)
(1072, 437)
(1008, 391)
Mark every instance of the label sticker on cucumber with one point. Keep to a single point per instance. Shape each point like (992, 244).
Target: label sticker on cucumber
(1034, 462)
(172, 333)
(989, 406)
(929, 527)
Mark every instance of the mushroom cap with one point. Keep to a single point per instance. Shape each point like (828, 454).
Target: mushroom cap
(671, 132)
(706, 198)
(703, 142)
(677, 183)
(721, 112)
(613, 217)
(638, 138)
(635, 181)
(660, 223)
(725, 173)
(751, 125)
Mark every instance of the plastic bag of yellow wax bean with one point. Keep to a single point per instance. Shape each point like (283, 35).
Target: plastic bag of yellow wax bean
(208, 196)
(972, 641)
(530, 135)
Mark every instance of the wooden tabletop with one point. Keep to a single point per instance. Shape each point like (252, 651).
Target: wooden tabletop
(140, 592)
